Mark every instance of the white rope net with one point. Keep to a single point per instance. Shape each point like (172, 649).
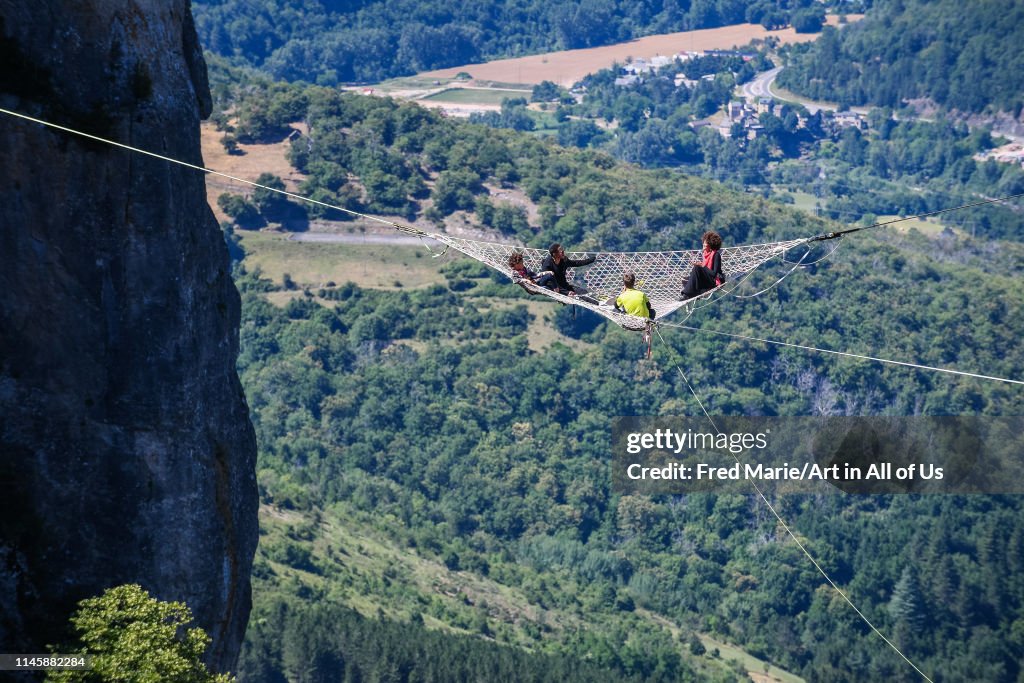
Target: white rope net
(659, 274)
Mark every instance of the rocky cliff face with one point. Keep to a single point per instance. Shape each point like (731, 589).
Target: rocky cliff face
(126, 453)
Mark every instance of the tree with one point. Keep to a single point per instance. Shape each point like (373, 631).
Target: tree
(809, 20)
(230, 143)
(455, 190)
(134, 637)
(575, 133)
(270, 203)
(241, 211)
(545, 91)
(907, 608)
(630, 111)
(774, 20)
(510, 219)
(514, 114)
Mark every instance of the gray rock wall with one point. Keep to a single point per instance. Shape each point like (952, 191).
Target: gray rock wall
(126, 452)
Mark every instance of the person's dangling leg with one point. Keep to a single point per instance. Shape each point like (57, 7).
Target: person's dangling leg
(690, 284)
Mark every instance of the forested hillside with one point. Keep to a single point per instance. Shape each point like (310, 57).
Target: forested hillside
(426, 463)
(377, 155)
(435, 458)
(335, 643)
(331, 42)
(384, 157)
(961, 55)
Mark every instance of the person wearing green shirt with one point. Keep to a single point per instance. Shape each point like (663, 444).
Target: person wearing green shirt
(632, 300)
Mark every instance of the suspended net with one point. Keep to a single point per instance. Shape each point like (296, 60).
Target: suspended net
(659, 274)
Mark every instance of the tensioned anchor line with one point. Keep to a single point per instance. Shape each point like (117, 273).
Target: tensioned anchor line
(408, 228)
(397, 226)
(840, 233)
(667, 300)
(805, 347)
(422, 234)
(790, 533)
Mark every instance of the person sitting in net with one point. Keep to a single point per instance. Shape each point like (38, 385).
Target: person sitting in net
(632, 300)
(521, 272)
(706, 274)
(558, 263)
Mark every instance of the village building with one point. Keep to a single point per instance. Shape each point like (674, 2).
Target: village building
(1012, 153)
(849, 119)
(765, 105)
(638, 67)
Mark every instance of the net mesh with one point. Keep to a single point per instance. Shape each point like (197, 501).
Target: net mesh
(659, 274)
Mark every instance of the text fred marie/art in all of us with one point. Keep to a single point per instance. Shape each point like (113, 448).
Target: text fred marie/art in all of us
(677, 442)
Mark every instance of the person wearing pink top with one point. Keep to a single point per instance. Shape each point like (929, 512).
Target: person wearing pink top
(706, 273)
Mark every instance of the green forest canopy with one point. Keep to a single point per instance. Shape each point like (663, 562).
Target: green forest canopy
(962, 56)
(421, 416)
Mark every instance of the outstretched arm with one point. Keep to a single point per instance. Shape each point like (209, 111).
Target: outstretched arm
(575, 262)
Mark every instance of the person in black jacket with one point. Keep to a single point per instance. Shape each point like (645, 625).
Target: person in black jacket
(558, 263)
(706, 273)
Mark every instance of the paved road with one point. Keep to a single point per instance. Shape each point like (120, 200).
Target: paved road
(378, 238)
(761, 85)
(352, 238)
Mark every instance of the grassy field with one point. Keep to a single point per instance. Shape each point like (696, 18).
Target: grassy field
(804, 201)
(313, 264)
(373, 573)
(927, 226)
(475, 96)
(254, 160)
(545, 122)
(765, 673)
(415, 83)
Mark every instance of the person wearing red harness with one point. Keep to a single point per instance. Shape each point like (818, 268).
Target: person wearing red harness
(706, 273)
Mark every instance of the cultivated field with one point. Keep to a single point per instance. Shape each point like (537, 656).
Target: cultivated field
(569, 66)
